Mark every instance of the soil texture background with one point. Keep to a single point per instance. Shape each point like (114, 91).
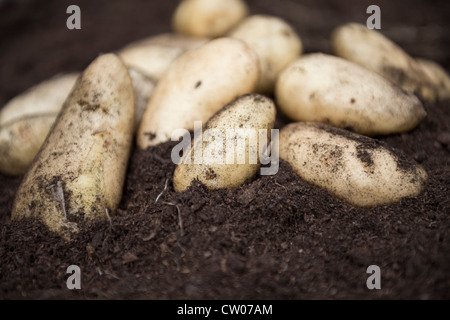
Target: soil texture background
(276, 237)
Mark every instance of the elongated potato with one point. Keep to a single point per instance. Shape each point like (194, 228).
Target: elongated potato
(239, 125)
(438, 77)
(78, 173)
(153, 56)
(196, 86)
(276, 43)
(372, 50)
(26, 120)
(206, 18)
(328, 89)
(355, 168)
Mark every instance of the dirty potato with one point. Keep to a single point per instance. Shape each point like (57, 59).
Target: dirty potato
(78, 173)
(206, 18)
(153, 56)
(355, 168)
(26, 120)
(437, 76)
(196, 86)
(276, 43)
(227, 153)
(323, 88)
(372, 50)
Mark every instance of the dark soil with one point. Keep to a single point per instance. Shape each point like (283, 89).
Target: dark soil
(276, 237)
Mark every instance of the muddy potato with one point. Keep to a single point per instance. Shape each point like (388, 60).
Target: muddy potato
(328, 89)
(355, 168)
(372, 50)
(153, 56)
(220, 167)
(438, 77)
(196, 86)
(206, 18)
(78, 173)
(276, 43)
(26, 120)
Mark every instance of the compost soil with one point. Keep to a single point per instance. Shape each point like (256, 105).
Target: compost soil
(276, 237)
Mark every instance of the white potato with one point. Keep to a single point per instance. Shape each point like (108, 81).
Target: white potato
(355, 168)
(26, 120)
(438, 77)
(78, 174)
(196, 86)
(328, 89)
(239, 125)
(276, 43)
(208, 18)
(153, 56)
(372, 50)
(143, 89)
(44, 98)
(23, 130)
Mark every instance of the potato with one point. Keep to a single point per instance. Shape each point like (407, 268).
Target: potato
(153, 56)
(22, 137)
(355, 168)
(206, 18)
(26, 120)
(143, 89)
(78, 174)
(228, 167)
(372, 50)
(438, 77)
(275, 42)
(328, 89)
(196, 86)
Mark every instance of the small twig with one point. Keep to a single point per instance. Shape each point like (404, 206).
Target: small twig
(109, 217)
(165, 188)
(180, 222)
(58, 194)
(280, 185)
(98, 131)
(160, 159)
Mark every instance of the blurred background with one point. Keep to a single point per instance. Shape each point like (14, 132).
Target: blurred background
(35, 43)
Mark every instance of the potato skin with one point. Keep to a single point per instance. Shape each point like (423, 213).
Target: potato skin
(25, 129)
(252, 112)
(437, 76)
(44, 98)
(20, 141)
(78, 173)
(208, 18)
(323, 88)
(143, 89)
(153, 56)
(372, 50)
(355, 168)
(196, 86)
(26, 120)
(276, 43)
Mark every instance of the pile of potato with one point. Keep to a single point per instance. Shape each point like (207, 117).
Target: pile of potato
(71, 135)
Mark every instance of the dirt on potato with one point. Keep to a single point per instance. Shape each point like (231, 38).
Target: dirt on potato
(276, 237)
